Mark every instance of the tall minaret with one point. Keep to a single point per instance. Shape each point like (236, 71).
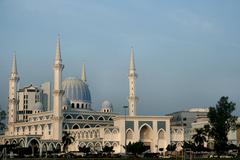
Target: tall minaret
(84, 78)
(132, 99)
(58, 93)
(12, 99)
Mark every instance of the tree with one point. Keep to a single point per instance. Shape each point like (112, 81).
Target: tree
(171, 148)
(199, 138)
(84, 149)
(136, 148)
(67, 139)
(108, 149)
(221, 121)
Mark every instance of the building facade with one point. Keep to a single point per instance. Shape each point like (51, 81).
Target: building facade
(38, 117)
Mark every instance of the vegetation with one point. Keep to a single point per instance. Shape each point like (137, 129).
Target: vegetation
(171, 148)
(107, 149)
(136, 148)
(67, 139)
(199, 138)
(221, 121)
(84, 149)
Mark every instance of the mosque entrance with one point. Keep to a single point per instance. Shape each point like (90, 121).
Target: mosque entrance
(146, 136)
(34, 145)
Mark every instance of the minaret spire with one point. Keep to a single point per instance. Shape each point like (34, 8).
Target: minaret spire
(132, 99)
(12, 98)
(84, 78)
(58, 57)
(14, 64)
(57, 93)
(132, 63)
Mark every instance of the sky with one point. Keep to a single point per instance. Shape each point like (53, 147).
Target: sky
(187, 53)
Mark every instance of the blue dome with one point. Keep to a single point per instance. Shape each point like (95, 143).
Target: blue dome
(107, 104)
(76, 89)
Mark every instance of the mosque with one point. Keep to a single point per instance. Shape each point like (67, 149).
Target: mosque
(38, 117)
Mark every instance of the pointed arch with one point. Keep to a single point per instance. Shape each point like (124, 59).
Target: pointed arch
(146, 135)
(51, 147)
(39, 129)
(86, 126)
(101, 118)
(80, 117)
(68, 116)
(161, 134)
(107, 131)
(107, 144)
(58, 147)
(14, 141)
(115, 131)
(129, 134)
(82, 144)
(26, 130)
(22, 142)
(90, 118)
(97, 125)
(20, 131)
(98, 147)
(75, 126)
(90, 145)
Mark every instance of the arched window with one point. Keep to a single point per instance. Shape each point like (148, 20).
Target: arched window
(73, 105)
(68, 117)
(82, 105)
(79, 117)
(75, 126)
(86, 126)
(101, 118)
(86, 106)
(90, 118)
(77, 105)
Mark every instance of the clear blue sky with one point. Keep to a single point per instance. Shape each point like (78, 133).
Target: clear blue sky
(187, 52)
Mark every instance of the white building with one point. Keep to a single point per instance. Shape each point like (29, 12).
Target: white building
(38, 119)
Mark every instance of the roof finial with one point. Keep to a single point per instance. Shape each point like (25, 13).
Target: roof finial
(132, 63)
(58, 50)
(84, 79)
(14, 64)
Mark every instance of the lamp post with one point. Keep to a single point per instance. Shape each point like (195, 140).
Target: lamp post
(125, 117)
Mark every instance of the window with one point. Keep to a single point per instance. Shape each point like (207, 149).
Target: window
(68, 117)
(77, 105)
(72, 105)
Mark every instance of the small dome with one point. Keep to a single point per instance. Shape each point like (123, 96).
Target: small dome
(107, 105)
(76, 89)
(38, 106)
(66, 101)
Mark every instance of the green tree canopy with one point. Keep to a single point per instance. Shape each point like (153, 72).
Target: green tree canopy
(67, 139)
(108, 149)
(136, 148)
(200, 137)
(221, 121)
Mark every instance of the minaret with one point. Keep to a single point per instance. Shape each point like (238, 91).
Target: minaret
(58, 93)
(132, 99)
(12, 98)
(84, 78)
